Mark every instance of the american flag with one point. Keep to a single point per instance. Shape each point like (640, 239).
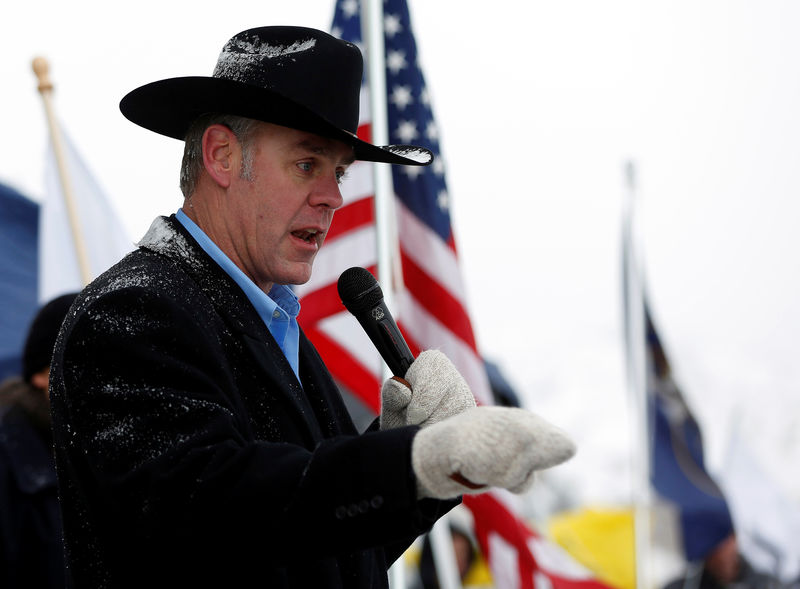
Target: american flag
(429, 292)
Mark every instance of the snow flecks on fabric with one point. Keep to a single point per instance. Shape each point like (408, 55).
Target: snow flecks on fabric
(133, 440)
(239, 54)
(161, 237)
(422, 156)
(159, 233)
(116, 432)
(113, 324)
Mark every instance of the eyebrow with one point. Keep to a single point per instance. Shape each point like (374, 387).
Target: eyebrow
(322, 149)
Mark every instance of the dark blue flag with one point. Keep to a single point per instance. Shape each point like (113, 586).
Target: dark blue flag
(19, 268)
(678, 471)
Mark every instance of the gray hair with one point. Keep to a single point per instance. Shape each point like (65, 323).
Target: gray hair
(192, 164)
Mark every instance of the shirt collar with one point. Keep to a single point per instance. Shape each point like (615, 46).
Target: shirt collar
(280, 296)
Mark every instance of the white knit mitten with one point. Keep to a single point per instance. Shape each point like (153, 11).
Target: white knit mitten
(486, 447)
(437, 391)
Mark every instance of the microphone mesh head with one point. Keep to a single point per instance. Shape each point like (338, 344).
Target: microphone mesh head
(358, 289)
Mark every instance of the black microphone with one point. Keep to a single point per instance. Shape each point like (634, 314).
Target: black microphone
(363, 297)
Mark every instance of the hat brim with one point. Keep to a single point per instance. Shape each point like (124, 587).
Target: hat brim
(170, 106)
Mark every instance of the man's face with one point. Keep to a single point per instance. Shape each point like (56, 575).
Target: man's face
(277, 219)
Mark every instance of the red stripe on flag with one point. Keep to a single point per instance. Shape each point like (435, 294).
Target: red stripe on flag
(438, 301)
(451, 242)
(346, 370)
(491, 516)
(319, 304)
(352, 216)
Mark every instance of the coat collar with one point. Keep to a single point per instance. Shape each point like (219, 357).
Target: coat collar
(167, 237)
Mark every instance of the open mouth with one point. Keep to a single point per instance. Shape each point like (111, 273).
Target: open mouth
(307, 235)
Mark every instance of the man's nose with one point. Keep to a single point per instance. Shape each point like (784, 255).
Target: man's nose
(327, 193)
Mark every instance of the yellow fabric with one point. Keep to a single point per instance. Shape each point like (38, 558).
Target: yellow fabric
(478, 575)
(602, 540)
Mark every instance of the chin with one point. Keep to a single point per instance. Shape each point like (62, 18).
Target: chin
(296, 275)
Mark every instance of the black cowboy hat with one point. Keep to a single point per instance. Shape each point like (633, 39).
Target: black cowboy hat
(291, 76)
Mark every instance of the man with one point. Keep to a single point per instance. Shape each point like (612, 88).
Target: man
(31, 550)
(200, 439)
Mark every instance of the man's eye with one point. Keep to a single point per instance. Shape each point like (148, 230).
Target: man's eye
(305, 166)
(341, 175)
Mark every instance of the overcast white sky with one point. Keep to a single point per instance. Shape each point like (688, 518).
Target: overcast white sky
(539, 105)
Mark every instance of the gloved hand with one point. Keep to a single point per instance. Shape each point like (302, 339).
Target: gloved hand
(486, 447)
(436, 391)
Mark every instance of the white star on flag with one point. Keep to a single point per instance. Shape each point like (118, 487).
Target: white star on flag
(407, 131)
(349, 8)
(425, 97)
(443, 200)
(432, 131)
(401, 97)
(412, 172)
(391, 25)
(396, 61)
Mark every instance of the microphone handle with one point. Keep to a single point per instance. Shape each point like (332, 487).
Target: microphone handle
(386, 337)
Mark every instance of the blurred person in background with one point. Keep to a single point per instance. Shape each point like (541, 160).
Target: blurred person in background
(726, 568)
(31, 548)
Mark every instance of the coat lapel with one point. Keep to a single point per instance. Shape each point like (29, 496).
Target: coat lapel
(274, 362)
(321, 390)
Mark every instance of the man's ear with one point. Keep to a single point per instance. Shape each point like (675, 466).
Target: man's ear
(219, 144)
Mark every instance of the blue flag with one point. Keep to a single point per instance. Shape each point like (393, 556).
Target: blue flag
(19, 251)
(678, 471)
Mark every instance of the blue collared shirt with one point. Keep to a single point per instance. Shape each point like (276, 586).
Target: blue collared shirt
(278, 309)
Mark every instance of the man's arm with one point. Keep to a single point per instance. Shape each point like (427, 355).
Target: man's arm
(147, 415)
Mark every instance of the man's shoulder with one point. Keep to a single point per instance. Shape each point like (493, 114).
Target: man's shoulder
(168, 237)
(166, 259)
(168, 269)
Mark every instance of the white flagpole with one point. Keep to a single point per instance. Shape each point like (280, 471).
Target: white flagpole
(373, 35)
(372, 25)
(636, 379)
(42, 70)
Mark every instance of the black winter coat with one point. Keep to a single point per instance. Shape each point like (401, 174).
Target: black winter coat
(189, 455)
